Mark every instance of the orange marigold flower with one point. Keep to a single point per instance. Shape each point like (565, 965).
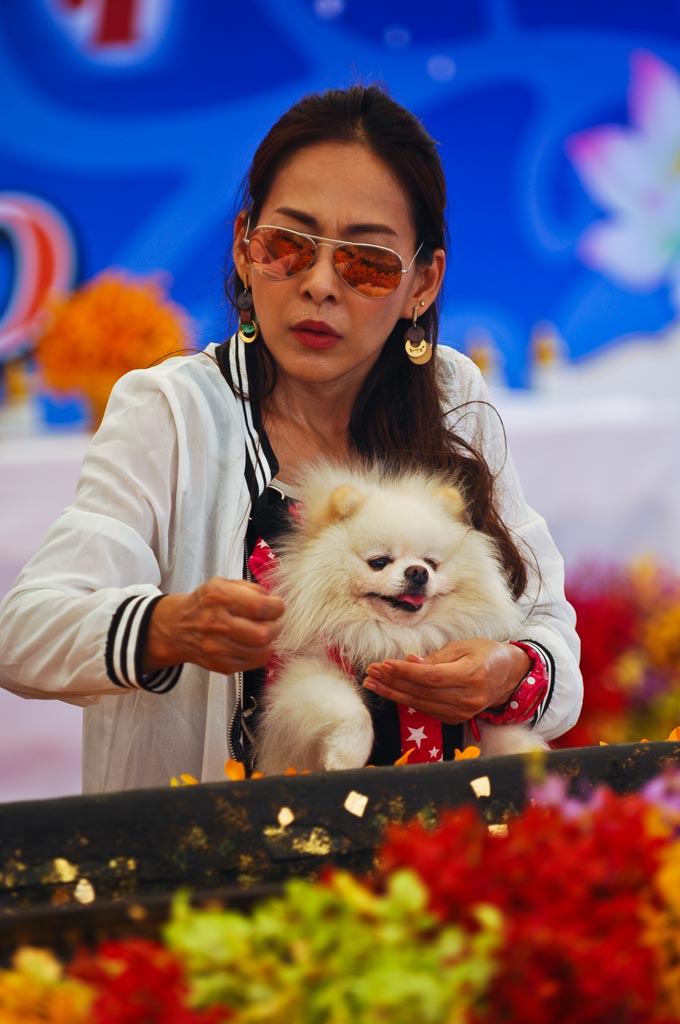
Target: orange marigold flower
(111, 324)
(467, 754)
(234, 770)
(184, 780)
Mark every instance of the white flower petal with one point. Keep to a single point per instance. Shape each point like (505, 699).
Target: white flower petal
(654, 100)
(616, 166)
(627, 251)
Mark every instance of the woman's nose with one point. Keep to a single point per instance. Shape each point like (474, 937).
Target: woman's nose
(321, 281)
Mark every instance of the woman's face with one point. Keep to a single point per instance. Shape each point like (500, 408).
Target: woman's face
(317, 329)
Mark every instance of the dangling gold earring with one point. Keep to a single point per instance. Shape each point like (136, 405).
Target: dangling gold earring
(418, 349)
(248, 328)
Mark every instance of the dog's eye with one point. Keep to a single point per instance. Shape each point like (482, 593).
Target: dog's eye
(379, 563)
(432, 564)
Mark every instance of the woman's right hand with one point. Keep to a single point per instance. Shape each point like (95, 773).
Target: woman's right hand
(224, 625)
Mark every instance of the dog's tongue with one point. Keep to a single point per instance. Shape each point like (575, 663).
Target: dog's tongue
(415, 599)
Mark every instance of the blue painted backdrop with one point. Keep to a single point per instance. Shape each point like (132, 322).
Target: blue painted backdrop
(132, 122)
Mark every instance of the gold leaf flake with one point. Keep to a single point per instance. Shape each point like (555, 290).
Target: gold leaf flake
(60, 897)
(498, 830)
(285, 817)
(481, 786)
(64, 870)
(317, 842)
(299, 842)
(196, 838)
(356, 803)
(123, 865)
(136, 912)
(84, 891)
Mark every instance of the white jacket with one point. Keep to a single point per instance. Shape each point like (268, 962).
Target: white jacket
(162, 505)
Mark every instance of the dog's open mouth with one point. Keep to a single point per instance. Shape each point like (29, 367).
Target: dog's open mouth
(405, 602)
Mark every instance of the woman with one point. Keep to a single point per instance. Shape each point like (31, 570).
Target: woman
(136, 607)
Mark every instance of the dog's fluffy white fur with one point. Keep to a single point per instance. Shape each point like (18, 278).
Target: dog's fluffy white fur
(377, 566)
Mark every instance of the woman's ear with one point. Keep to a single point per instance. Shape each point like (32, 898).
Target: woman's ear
(240, 253)
(426, 285)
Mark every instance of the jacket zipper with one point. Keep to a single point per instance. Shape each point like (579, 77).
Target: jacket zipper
(235, 718)
(236, 749)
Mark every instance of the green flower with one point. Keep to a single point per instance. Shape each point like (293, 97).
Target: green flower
(338, 953)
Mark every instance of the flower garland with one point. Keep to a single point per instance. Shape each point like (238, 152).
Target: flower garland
(570, 913)
(628, 620)
(111, 324)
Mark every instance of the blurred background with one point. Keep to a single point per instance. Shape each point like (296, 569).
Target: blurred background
(127, 127)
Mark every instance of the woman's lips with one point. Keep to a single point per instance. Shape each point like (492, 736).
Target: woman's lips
(315, 334)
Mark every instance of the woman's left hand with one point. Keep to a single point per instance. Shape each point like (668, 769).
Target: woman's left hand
(454, 683)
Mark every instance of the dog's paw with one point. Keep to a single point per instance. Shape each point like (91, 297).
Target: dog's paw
(498, 740)
(347, 746)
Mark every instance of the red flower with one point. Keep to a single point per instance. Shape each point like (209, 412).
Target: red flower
(628, 620)
(571, 893)
(139, 982)
(607, 621)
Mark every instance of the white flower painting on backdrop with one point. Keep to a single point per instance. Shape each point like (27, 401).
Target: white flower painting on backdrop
(633, 172)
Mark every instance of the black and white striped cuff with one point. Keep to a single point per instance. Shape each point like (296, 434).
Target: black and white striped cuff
(125, 648)
(549, 665)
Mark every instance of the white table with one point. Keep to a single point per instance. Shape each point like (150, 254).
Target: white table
(604, 472)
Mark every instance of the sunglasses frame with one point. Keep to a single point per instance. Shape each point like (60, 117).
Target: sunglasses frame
(334, 244)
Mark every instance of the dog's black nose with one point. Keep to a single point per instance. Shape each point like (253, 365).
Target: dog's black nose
(417, 574)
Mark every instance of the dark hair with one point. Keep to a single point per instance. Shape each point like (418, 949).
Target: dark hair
(398, 415)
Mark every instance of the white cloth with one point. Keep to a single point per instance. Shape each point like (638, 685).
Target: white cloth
(162, 505)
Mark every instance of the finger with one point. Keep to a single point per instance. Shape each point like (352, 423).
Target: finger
(417, 673)
(244, 599)
(437, 708)
(232, 658)
(256, 659)
(270, 608)
(407, 691)
(248, 634)
(256, 604)
(450, 652)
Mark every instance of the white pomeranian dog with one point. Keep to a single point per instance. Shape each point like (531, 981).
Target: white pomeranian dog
(376, 566)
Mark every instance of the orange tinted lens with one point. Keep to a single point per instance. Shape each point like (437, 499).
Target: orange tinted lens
(369, 270)
(278, 254)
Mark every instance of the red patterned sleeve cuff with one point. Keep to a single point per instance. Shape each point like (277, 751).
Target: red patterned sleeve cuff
(531, 697)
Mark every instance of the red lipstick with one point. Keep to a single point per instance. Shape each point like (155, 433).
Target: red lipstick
(315, 334)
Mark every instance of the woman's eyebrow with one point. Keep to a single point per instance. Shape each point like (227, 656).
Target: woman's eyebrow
(368, 228)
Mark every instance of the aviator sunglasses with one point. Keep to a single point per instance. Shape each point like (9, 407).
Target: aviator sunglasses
(370, 270)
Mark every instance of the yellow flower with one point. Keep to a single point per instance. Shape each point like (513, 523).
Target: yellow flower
(645, 575)
(35, 991)
(661, 638)
(662, 928)
(630, 669)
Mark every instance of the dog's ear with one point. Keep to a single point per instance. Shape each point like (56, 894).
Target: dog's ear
(344, 501)
(340, 504)
(453, 503)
